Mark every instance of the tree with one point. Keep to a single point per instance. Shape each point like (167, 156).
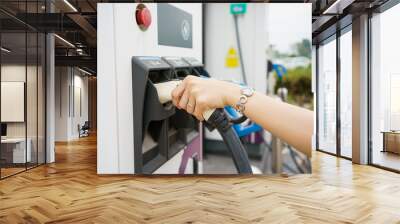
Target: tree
(298, 83)
(303, 48)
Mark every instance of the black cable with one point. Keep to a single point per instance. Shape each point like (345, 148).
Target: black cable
(238, 120)
(292, 154)
(220, 121)
(289, 168)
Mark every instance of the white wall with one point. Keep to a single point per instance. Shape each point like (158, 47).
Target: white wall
(68, 81)
(79, 117)
(13, 101)
(33, 125)
(12, 73)
(118, 39)
(220, 37)
(61, 103)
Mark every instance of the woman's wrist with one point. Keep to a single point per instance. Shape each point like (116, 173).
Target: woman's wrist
(232, 94)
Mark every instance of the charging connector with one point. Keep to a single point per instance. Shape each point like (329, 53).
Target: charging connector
(219, 120)
(215, 119)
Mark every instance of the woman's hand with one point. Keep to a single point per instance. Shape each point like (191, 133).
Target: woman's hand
(292, 124)
(197, 95)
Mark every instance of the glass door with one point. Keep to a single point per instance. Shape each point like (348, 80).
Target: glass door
(327, 96)
(22, 77)
(14, 153)
(385, 90)
(346, 93)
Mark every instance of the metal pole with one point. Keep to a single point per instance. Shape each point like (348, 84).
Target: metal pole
(276, 155)
(239, 50)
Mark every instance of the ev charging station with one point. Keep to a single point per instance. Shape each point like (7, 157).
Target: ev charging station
(128, 30)
(142, 45)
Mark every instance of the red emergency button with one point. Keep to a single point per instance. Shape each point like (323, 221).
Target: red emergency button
(143, 17)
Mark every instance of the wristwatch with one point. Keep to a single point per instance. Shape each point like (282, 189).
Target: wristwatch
(245, 92)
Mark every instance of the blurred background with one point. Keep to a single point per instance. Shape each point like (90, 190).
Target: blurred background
(290, 46)
(272, 43)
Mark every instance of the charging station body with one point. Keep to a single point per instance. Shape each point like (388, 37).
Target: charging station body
(120, 38)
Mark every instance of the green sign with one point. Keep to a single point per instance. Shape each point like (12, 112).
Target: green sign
(238, 8)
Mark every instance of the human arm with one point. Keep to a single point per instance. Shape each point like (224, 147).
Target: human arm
(290, 123)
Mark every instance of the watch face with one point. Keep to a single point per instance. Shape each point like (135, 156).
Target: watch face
(247, 91)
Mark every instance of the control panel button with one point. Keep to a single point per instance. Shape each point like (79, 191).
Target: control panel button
(143, 17)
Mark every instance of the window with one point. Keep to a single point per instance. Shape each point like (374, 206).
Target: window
(346, 93)
(327, 96)
(385, 89)
(13, 147)
(22, 77)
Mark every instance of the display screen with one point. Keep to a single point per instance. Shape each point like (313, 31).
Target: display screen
(174, 26)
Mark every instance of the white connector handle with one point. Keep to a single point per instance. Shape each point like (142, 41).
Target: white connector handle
(164, 90)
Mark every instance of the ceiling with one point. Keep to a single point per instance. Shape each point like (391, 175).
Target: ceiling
(76, 22)
(331, 15)
(72, 20)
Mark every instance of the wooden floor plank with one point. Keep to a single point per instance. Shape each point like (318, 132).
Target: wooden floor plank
(70, 191)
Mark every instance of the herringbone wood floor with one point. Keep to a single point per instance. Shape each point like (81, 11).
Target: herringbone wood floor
(69, 191)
